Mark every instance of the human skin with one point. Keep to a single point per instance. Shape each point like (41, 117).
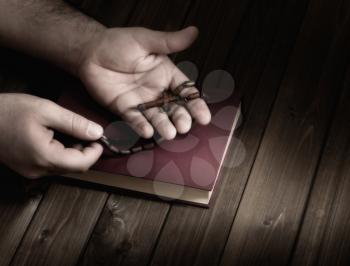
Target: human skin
(120, 67)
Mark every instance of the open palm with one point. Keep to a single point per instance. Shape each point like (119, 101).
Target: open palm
(124, 67)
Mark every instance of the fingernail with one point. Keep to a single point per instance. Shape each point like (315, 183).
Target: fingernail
(94, 130)
(170, 134)
(145, 130)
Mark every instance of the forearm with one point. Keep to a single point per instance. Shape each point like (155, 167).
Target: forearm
(50, 29)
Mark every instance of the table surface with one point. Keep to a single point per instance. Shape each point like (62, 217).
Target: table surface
(283, 197)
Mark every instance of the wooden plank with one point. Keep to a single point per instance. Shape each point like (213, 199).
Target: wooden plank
(61, 226)
(14, 221)
(324, 237)
(129, 226)
(126, 232)
(160, 15)
(16, 211)
(258, 72)
(272, 205)
(58, 226)
(211, 18)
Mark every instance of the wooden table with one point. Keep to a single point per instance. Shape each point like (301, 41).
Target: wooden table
(286, 203)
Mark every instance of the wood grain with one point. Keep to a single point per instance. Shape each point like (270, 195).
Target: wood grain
(211, 17)
(126, 232)
(270, 212)
(60, 227)
(324, 236)
(261, 47)
(17, 208)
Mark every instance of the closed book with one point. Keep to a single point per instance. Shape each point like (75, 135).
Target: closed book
(184, 169)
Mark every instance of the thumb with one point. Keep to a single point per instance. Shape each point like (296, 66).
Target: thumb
(167, 42)
(72, 124)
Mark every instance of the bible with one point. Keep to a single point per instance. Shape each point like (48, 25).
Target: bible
(184, 169)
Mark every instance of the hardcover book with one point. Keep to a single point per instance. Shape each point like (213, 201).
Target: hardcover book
(184, 169)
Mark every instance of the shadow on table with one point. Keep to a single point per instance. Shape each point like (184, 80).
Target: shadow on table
(16, 187)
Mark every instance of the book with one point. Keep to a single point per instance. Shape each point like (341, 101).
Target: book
(185, 169)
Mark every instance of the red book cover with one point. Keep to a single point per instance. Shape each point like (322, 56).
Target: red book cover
(190, 163)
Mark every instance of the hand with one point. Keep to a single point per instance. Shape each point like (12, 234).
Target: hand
(124, 67)
(27, 142)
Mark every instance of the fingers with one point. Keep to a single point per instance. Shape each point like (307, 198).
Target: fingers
(167, 124)
(71, 160)
(161, 122)
(61, 159)
(143, 123)
(167, 42)
(72, 124)
(180, 117)
(197, 108)
(139, 123)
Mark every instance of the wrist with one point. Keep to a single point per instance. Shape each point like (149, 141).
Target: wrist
(82, 50)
